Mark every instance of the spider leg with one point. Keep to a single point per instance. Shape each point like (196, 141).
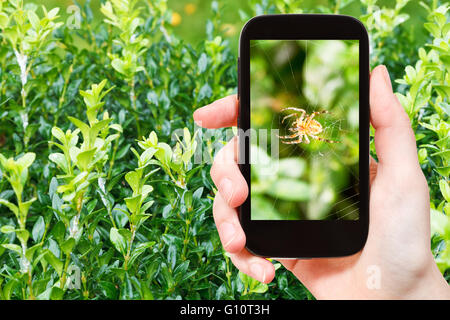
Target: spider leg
(312, 115)
(294, 109)
(306, 139)
(290, 136)
(324, 140)
(284, 118)
(303, 112)
(299, 140)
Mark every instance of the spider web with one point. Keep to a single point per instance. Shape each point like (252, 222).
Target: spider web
(334, 128)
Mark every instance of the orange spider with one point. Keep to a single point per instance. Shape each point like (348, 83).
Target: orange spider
(304, 126)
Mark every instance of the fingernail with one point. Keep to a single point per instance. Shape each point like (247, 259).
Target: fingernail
(258, 272)
(226, 189)
(387, 79)
(227, 233)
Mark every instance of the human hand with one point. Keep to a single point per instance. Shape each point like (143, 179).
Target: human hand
(398, 244)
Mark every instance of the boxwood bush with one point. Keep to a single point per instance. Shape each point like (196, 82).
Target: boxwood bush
(100, 196)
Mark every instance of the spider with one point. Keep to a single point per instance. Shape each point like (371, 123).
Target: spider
(304, 126)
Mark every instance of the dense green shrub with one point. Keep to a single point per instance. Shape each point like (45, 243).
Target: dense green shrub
(100, 196)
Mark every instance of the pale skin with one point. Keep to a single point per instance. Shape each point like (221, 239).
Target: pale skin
(398, 244)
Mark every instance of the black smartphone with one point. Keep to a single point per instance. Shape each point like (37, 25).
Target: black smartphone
(303, 132)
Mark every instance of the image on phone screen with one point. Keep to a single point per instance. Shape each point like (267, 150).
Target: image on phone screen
(304, 120)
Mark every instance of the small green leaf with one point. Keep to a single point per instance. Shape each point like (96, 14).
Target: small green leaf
(59, 134)
(445, 189)
(54, 262)
(84, 159)
(133, 203)
(133, 180)
(7, 229)
(30, 251)
(68, 245)
(202, 63)
(34, 20)
(56, 293)
(11, 206)
(139, 250)
(59, 231)
(60, 160)
(13, 247)
(118, 240)
(38, 229)
(26, 160)
(84, 128)
(146, 156)
(119, 66)
(23, 235)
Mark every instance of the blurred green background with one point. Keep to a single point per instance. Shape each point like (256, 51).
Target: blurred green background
(189, 16)
(306, 181)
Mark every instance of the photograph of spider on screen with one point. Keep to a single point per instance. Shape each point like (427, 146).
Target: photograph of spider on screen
(307, 92)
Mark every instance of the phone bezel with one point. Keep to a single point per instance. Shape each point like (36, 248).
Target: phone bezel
(304, 238)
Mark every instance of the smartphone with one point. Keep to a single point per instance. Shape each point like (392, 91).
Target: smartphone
(303, 131)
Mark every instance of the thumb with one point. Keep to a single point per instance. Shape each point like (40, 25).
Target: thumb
(395, 143)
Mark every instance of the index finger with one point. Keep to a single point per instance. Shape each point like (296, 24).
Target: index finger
(219, 114)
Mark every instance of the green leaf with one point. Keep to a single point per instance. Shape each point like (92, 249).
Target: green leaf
(53, 13)
(54, 262)
(445, 189)
(84, 159)
(109, 290)
(58, 231)
(34, 20)
(202, 63)
(56, 293)
(38, 229)
(4, 20)
(139, 250)
(146, 156)
(118, 240)
(23, 235)
(7, 229)
(96, 128)
(60, 160)
(133, 203)
(67, 245)
(84, 128)
(133, 179)
(30, 251)
(26, 160)
(13, 247)
(24, 207)
(259, 288)
(59, 134)
(11, 206)
(119, 66)
(9, 287)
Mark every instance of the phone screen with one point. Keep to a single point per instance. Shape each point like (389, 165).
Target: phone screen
(304, 151)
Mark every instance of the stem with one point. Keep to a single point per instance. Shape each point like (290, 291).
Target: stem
(30, 284)
(228, 273)
(112, 219)
(186, 235)
(130, 243)
(336, 8)
(22, 223)
(64, 275)
(62, 98)
(113, 158)
(133, 104)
